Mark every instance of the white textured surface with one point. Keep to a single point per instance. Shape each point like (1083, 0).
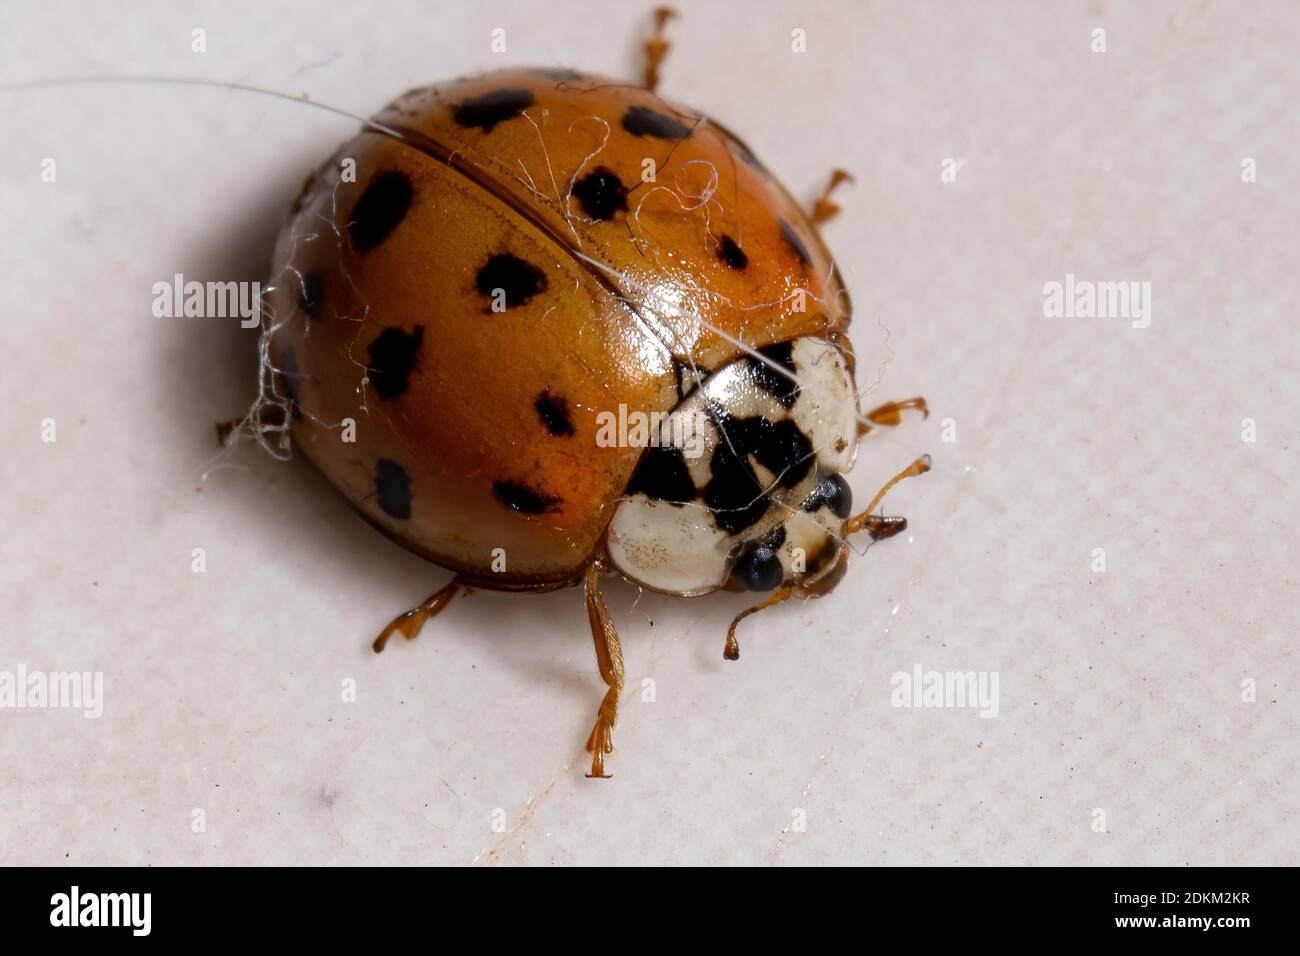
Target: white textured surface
(1119, 690)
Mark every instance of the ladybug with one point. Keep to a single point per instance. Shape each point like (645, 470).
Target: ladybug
(474, 297)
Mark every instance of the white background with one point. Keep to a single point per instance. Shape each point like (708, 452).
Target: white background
(1119, 691)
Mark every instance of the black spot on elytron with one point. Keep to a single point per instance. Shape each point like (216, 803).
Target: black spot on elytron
(393, 489)
(734, 493)
(491, 108)
(834, 492)
(601, 194)
(643, 121)
(784, 389)
(288, 373)
(392, 359)
(553, 410)
(663, 475)
(758, 568)
(732, 254)
(559, 73)
(519, 280)
(522, 498)
(796, 243)
(311, 292)
(380, 210)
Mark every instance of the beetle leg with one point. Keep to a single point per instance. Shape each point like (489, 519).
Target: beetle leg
(823, 209)
(609, 657)
(656, 48)
(891, 413)
(410, 622)
(731, 650)
(879, 526)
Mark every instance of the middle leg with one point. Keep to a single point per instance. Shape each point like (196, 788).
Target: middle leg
(609, 658)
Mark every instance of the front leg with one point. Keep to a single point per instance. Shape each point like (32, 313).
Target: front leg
(731, 649)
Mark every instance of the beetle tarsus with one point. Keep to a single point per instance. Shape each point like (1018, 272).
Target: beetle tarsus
(656, 48)
(410, 622)
(601, 739)
(823, 208)
(891, 413)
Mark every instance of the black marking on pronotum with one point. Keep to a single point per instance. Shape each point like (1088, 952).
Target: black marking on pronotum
(494, 107)
(780, 447)
(785, 389)
(393, 489)
(522, 498)
(392, 359)
(643, 121)
(288, 374)
(833, 492)
(553, 410)
(663, 475)
(758, 568)
(601, 194)
(380, 210)
(517, 279)
(734, 493)
(311, 292)
(796, 243)
(732, 254)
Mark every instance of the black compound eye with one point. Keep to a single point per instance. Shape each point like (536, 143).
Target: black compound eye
(837, 493)
(758, 569)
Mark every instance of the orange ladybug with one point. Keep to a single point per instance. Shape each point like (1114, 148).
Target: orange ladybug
(539, 326)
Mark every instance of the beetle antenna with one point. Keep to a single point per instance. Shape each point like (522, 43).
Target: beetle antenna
(199, 81)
